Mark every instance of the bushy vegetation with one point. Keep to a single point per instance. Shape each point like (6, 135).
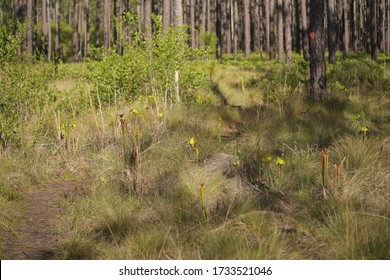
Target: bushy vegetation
(236, 170)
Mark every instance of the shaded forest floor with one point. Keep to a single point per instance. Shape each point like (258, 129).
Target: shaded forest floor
(256, 150)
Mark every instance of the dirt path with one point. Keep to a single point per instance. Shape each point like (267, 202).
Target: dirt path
(36, 235)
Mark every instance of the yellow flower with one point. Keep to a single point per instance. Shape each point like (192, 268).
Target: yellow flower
(364, 129)
(191, 141)
(160, 116)
(280, 161)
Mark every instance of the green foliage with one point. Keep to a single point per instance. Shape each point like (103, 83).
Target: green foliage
(147, 67)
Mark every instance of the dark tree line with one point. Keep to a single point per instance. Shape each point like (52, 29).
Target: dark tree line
(265, 26)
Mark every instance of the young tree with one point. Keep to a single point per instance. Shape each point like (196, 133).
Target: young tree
(247, 24)
(280, 31)
(331, 31)
(317, 51)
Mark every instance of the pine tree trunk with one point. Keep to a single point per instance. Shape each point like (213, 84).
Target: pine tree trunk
(272, 29)
(388, 25)
(208, 19)
(247, 26)
(317, 51)
(288, 16)
(218, 27)
(178, 12)
(305, 33)
(331, 31)
(57, 27)
(298, 31)
(166, 14)
(346, 27)
(97, 23)
(29, 39)
(373, 29)
(280, 31)
(45, 26)
(75, 31)
(106, 20)
(86, 28)
(267, 25)
(192, 25)
(257, 31)
(49, 45)
(229, 26)
(235, 33)
(147, 19)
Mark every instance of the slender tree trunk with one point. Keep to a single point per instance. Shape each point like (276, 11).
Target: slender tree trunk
(388, 25)
(247, 26)
(45, 28)
(288, 16)
(75, 31)
(57, 27)
(148, 19)
(256, 19)
(272, 29)
(229, 27)
(218, 27)
(178, 12)
(208, 19)
(317, 51)
(49, 45)
(331, 31)
(86, 28)
(106, 33)
(192, 25)
(298, 31)
(354, 26)
(305, 33)
(373, 29)
(267, 25)
(97, 23)
(280, 31)
(235, 33)
(166, 14)
(346, 27)
(29, 35)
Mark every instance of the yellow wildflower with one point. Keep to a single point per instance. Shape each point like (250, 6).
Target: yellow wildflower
(280, 161)
(364, 129)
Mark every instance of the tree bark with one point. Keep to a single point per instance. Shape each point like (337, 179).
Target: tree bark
(256, 19)
(288, 16)
(86, 28)
(280, 31)
(106, 33)
(49, 46)
(235, 33)
(178, 12)
(166, 14)
(45, 28)
(305, 33)
(373, 29)
(331, 31)
(317, 51)
(29, 39)
(267, 25)
(272, 29)
(57, 27)
(75, 31)
(346, 27)
(97, 23)
(247, 26)
(147, 19)
(192, 24)
(218, 27)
